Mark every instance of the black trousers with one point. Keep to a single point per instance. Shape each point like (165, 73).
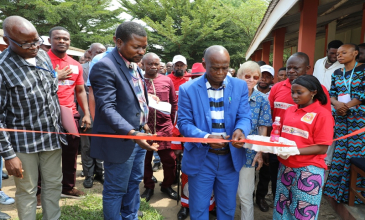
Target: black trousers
(266, 174)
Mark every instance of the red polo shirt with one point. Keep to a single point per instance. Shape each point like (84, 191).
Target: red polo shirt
(280, 99)
(307, 126)
(66, 88)
(178, 81)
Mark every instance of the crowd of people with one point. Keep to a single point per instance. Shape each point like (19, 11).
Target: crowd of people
(109, 90)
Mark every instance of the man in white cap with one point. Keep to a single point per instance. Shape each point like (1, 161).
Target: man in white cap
(267, 77)
(179, 71)
(46, 46)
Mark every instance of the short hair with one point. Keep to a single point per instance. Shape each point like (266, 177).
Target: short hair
(334, 44)
(312, 83)
(355, 48)
(249, 65)
(126, 29)
(282, 68)
(57, 28)
(302, 55)
(261, 63)
(361, 45)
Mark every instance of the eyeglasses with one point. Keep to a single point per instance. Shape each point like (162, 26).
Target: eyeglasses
(254, 77)
(27, 45)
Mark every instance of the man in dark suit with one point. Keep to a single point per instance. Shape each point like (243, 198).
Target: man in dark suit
(214, 106)
(121, 108)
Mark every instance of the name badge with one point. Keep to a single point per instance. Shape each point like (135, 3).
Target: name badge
(75, 69)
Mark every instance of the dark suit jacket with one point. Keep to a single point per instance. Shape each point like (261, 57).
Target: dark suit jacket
(117, 110)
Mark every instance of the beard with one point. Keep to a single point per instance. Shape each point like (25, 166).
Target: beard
(263, 87)
(179, 73)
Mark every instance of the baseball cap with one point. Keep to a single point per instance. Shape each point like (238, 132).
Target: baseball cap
(45, 40)
(267, 68)
(196, 70)
(179, 58)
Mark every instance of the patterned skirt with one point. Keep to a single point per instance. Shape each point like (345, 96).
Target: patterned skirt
(298, 193)
(338, 181)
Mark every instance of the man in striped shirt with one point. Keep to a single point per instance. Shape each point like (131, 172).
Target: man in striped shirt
(28, 101)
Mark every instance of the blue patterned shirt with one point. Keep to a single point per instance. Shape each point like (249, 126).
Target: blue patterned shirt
(261, 116)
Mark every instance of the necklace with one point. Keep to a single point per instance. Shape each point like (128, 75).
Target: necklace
(328, 62)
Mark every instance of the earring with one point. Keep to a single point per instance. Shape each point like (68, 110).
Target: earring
(312, 97)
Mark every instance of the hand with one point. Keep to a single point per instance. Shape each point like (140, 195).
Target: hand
(86, 122)
(65, 73)
(339, 105)
(258, 159)
(237, 136)
(143, 143)
(147, 129)
(178, 153)
(14, 167)
(157, 99)
(218, 145)
(284, 157)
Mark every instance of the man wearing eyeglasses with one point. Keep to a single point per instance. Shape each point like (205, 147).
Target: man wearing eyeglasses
(28, 101)
(67, 88)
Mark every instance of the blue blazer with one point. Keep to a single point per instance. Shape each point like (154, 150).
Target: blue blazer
(117, 110)
(194, 120)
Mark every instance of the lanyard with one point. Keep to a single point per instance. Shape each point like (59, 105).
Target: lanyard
(52, 71)
(348, 83)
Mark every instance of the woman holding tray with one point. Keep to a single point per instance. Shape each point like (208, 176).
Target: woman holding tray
(301, 177)
(261, 119)
(347, 93)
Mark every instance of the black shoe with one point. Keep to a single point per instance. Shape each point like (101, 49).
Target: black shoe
(140, 214)
(5, 176)
(263, 206)
(214, 211)
(154, 179)
(170, 192)
(156, 167)
(148, 193)
(4, 216)
(183, 213)
(99, 178)
(88, 182)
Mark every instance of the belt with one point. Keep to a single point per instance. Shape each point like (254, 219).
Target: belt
(220, 152)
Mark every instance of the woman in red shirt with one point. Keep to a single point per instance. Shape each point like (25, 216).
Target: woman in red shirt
(301, 177)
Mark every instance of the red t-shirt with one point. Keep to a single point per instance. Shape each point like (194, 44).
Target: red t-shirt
(66, 88)
(177, 81)
(280, 99)
(307, 126)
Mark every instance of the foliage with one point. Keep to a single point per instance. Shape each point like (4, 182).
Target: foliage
(88, 21)
(188, 27)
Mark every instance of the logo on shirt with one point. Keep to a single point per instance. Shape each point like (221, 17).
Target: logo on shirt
(309, 117)
(75, 69)
(66, 82)
(282, 105)
(295, 131)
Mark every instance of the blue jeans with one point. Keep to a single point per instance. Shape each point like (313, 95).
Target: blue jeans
(217, 174)
(121, 187)
(157, 157)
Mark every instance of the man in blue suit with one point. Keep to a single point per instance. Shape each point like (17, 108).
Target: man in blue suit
(214, 106)
(121, 108)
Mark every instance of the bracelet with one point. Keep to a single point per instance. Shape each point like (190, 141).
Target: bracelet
(134, 134)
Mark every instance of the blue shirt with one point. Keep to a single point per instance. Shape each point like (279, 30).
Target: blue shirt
(95, 60)
(260, 116)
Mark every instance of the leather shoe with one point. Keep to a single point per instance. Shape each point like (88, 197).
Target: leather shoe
(154, 179)
(183, 213)
(5, 176)
(147, 194)
(88, 182)
(4, 216)
(170, 192)
(263, 206)
(99, 178)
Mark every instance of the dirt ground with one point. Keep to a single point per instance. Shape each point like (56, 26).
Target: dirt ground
(167, 207)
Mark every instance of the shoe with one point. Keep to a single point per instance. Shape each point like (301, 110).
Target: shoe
(148, 193)
(154, 179)
(99, 178)
(39, 202)
(170, 192)
(74, 193)
(156, 167)
(88, 182)
(82, 174)
(214, 211)
(5, 199)
(5, 176)
(4, 216)
(183, 213)
(263, 206)
(140, 214)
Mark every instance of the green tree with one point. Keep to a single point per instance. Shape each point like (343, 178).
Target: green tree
(88, 21)
(188, 27)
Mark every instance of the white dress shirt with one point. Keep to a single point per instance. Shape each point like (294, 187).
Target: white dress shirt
(323, 74)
